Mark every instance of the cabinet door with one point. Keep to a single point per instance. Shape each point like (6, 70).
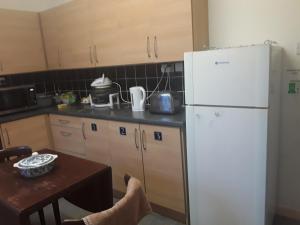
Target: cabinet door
(171, 29)
(162, 154)
(74, 30)
(126, 153)
(21, 47)
(119, 31)
(96, 140)
(50, 20)
(33, 132)
(68, 140)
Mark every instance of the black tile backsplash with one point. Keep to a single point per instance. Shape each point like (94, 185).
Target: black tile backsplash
(79, 80)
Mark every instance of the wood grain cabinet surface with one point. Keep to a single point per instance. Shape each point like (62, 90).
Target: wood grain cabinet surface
(124, 144)
(105, 33)
(96, 139)
(163, 166)
(119, 31)
(33, 132)
(153, 154)
(21, 45)
(52, 39)
(68, 135)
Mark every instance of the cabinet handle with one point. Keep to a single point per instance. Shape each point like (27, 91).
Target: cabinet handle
(91, 55)
(59, 57)
(1, 67)
(83, 132)
(155, 47)
(8, 139)
(136, 138)
(144, 140)
(64, 121)
(148, 47)
(96, 54)
(65, 134)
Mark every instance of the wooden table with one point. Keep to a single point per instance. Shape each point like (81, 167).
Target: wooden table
(80, 181)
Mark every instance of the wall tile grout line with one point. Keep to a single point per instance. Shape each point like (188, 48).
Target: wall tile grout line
(79, 80)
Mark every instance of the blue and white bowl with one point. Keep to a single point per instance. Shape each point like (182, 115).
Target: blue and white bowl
(36, 165)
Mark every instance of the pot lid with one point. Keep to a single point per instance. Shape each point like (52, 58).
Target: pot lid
(102, 82)
(35, 161)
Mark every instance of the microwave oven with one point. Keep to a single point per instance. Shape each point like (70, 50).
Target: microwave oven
(17, 98)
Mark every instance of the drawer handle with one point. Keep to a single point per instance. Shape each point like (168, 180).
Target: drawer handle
(136, 138)
(96, 54)
(8, 139)
(64, 121)
(65, 134)
(144, 140)
(59, 57)
(148, 47)
(155, 47)
(83, 131)
(91, 55)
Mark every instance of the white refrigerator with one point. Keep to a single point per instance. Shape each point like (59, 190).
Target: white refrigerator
(232, 128)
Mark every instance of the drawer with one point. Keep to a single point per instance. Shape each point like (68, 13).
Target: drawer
(68, 139)
(66, 121)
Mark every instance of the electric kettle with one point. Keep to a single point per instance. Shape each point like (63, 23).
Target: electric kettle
(138, 98)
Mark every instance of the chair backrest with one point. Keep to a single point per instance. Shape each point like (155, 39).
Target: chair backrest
(129, 210)
(16, 152)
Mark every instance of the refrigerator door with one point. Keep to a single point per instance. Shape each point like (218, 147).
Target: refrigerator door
(228, 77)
(226, 155)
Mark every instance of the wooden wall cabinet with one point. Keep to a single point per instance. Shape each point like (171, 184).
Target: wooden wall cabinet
(33, 132)
(67, 39)
(74, 32)
(21, 45)
(119, 30)
(50, 21)
(106, 33)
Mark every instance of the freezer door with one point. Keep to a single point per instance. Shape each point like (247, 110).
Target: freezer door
(228, 77)
(226, 156)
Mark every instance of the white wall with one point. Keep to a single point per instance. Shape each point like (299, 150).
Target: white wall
(30, 5)
(243, 22)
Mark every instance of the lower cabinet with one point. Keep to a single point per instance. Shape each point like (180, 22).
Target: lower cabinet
(68, 140)
(96, 140)
(33, 132)
(125, 149)
(163, 170)
(68, 135)
(153, 154)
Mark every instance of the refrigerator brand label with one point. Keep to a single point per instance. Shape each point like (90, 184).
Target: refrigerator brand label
(222, 63)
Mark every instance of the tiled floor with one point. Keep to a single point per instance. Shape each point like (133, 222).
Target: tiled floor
(68, 211)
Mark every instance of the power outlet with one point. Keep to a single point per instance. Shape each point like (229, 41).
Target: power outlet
(167, 68)
(179, 67)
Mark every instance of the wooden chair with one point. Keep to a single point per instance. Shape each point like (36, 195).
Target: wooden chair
(17, 152)
(80, 222)
(21, 152)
